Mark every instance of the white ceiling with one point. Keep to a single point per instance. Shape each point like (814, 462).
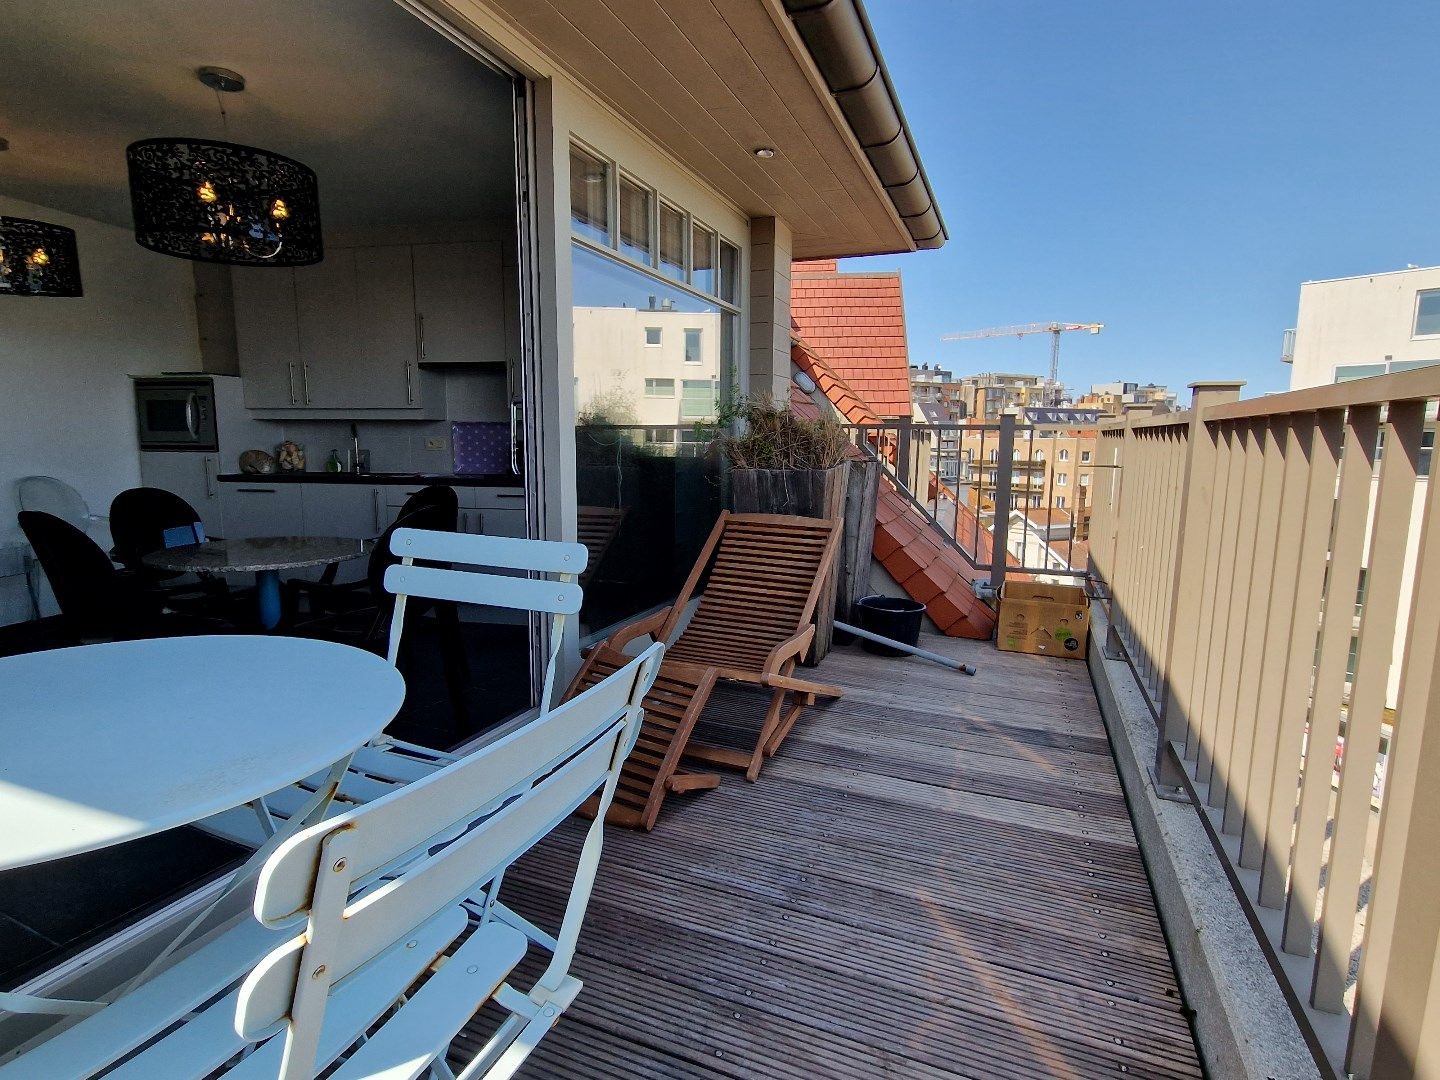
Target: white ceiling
(401, 127)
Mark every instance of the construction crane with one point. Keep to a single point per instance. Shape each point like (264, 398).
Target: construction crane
(1054, 329)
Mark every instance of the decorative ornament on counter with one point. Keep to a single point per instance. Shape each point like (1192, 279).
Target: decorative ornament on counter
(290, 456)
(257, 461)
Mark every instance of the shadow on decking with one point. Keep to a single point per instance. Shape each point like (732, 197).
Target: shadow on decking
(936, 876)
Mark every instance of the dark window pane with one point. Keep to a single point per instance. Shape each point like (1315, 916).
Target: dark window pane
(729, 272)
(672, 242)
(589, 195)
(1427, 313)
(634, 221)
(702, 257)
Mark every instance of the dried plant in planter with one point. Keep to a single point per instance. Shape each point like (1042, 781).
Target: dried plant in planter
(775, 438)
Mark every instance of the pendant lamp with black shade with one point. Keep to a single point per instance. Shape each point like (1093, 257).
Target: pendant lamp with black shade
(38, 259)
(221, 201)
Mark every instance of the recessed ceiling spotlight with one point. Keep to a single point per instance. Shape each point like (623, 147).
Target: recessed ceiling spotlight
(765, 153)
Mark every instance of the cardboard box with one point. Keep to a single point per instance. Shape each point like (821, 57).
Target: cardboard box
(1043, 620)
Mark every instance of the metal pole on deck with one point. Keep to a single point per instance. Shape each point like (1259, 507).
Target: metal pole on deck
(913, 650)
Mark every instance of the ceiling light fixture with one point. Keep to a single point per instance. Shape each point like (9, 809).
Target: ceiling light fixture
(38, 259)
(764, 153)
(221, 201)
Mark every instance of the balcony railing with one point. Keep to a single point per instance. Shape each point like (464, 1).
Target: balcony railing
(947, 472)
(1232, 540)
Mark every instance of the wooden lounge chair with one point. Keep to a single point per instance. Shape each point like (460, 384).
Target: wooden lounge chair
(762, 575)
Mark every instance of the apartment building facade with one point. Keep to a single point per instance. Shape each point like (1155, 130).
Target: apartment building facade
(1358, 327)
(1111, 398)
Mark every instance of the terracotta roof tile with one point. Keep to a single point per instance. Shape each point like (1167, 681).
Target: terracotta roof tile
(929, 569)
(856, 324)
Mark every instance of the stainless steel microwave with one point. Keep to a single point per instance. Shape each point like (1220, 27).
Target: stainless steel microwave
(176, 414)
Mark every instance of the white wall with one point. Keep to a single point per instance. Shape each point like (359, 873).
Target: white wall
(1359, 320)
(66, 408)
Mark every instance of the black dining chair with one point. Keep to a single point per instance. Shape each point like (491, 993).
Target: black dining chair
(99, 601)
(147, 519)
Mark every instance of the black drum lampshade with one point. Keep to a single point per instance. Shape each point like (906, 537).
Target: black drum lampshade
(38, 259)
(223, 202)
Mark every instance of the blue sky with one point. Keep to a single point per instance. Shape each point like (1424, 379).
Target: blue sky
(1173, 171)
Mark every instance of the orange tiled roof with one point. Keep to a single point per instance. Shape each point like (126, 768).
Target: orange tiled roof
(856, 324)
(849, 404)
(930, 571)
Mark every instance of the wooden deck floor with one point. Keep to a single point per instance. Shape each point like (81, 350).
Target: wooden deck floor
(936, 877)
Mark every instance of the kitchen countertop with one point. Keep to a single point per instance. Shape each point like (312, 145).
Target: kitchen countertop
(505, 480)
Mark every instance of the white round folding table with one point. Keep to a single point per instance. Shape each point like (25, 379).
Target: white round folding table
(106, 743)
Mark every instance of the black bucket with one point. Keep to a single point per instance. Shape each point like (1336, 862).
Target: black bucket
(894, 617)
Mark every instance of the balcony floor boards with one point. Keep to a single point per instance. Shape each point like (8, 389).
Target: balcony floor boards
(935, 877)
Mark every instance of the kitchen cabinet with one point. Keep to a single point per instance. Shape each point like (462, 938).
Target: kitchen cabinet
(342, 336)
(493, 511)
(192, 477)
(460, 303)
(358, 341)
(260, 510)
(267, 336)
(356, 511)
(493, 522)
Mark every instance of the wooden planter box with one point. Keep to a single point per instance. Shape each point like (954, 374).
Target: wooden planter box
(816, 493)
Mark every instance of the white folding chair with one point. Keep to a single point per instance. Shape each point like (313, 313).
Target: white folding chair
(491, 563)
(359, 920)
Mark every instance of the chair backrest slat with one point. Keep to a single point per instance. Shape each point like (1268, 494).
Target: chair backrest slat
(508, 552)
(589, 736)
(493, 590)
(558, 599)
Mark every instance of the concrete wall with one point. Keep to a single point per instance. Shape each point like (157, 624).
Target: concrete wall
(1360, 320)
(66, 408)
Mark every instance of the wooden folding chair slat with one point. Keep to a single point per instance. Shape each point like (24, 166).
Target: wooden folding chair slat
(762, 575)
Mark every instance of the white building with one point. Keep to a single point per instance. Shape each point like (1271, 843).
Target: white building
(1356, 327)
(651, 366)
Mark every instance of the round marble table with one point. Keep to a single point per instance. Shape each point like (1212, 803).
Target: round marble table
(266, 556)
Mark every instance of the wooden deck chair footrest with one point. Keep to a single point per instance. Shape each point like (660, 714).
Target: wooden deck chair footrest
(653, 769)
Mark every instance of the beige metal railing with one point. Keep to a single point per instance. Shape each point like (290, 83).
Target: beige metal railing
(1237, 542)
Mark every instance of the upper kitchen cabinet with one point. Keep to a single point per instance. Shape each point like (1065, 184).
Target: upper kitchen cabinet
(358, 330)
(335, 339)
(267, 336)
(460, 303)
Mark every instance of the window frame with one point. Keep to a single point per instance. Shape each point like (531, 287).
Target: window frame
(714, 387)
(659, 341)
(611, 246)
(699, 342)
(1415, 334)
(662, 204)
(610, 200)
(651, 219)
(651, 383)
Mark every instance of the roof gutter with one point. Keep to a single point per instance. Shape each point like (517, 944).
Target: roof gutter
(842, 44)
